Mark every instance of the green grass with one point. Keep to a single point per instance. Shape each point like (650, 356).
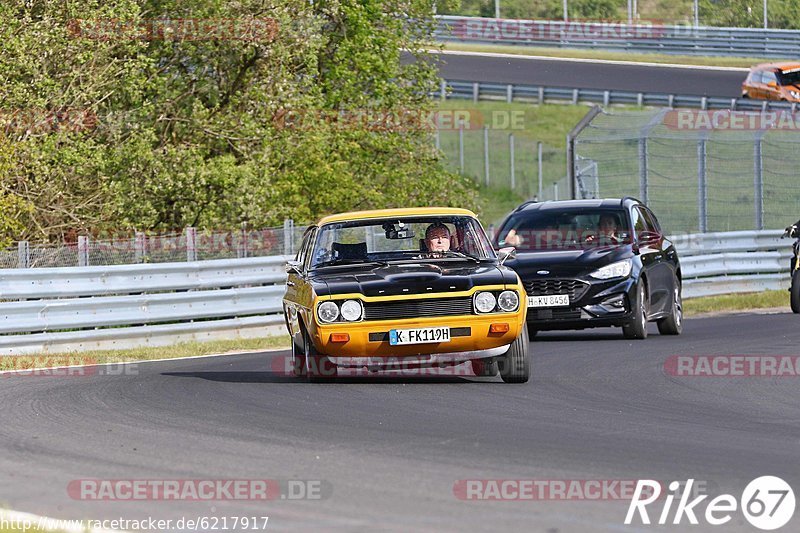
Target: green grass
(736, 302)
(712, 61)
(187, 349)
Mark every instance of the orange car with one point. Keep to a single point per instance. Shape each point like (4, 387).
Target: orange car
(773, 81)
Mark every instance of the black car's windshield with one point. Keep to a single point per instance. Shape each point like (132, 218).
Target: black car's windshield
(552, 229)
(426, 238)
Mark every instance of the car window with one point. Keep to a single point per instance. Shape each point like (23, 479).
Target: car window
(757, 77)
(386, 240)
(651, 220)
(548, 229)
(643, 222)
(306, 252)
(789, 77)
(770, 77)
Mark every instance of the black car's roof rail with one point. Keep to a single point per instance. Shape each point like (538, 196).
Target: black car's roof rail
(525, 204)
(632, 198)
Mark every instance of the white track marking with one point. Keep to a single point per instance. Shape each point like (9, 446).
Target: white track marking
(135, 362)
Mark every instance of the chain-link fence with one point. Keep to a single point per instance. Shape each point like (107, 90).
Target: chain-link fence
(188, 245)
(699, 170)
(505, 160)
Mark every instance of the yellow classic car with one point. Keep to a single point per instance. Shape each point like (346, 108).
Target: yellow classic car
(404, 288)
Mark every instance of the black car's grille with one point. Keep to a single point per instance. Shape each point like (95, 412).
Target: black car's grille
(554, 314)
(541, 287)
(417, 308)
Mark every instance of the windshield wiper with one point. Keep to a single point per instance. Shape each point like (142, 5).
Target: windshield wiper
(454, 253)
(338, 262)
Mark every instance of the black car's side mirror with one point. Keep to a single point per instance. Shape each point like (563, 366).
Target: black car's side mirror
(503, 254)
(648, 238)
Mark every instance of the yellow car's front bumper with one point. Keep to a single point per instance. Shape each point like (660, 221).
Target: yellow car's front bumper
(470, 337)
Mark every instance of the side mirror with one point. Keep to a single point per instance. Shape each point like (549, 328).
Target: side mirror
(293, 267)
(773, 84)
(647, 238)
(509, 252)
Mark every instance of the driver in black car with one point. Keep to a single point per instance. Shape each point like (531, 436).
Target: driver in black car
(607, 230)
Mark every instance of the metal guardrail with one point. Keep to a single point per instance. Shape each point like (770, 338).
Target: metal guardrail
(123, 306)
(639, 37)
(86, 308)
(540, 94)
(731, 262)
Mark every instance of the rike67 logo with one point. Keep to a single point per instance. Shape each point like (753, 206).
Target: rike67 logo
(767, 503)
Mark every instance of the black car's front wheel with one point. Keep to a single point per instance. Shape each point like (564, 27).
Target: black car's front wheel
(794, 292)
(636, 328)
(515, 364)
(673, 324)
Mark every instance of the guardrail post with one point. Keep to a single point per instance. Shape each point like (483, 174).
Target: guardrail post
(509, 93)
(461, 145)
(606, 98)
(574, 96)
(443, 90)
(539, 169)
(288, 241)
(643, 188)
(758, 181)
(555, 190)
(702, 192)
(243, 244)
(671, 101)
(23, 254)
(139, 247)
(83, 251)
(191, 243)
(486, 153)
(541, 95)
(475, 91)
(511, 157)
(640, 99)
(703, 103)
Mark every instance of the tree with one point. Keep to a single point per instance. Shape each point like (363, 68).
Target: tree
(186, 130)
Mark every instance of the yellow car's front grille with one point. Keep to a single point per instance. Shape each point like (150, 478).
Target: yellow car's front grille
(417, 308)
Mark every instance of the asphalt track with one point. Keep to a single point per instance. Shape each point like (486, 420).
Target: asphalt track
(592, 75)
(390, 450)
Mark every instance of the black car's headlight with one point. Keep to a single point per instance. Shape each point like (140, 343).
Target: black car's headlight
(620, 269)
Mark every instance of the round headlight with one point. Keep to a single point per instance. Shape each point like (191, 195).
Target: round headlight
(351, 310)
(485, 302)
(328, 311)
(508, 301)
